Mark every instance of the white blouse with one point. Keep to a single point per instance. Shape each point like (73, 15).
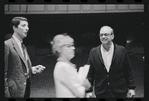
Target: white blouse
(67, 82)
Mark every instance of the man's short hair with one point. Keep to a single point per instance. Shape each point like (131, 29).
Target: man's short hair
(112, 32)
(16, 21)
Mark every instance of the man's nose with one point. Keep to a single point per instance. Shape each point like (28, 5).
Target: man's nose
(73, 47)
(27, 28)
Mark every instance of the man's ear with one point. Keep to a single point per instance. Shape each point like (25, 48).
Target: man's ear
(14, 28)
(112, 36)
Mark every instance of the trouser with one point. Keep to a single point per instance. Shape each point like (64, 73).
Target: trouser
(111, 95)
(27, 91)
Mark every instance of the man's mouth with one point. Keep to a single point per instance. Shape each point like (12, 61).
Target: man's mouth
(26, 33)
(104, 40)
(72, 53)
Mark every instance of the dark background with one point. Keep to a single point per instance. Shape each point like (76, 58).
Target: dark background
(84, 28)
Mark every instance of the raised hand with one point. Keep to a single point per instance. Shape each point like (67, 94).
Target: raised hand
(38, 69)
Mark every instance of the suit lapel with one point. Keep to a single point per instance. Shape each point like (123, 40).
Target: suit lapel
(16, 47)
(114, 53)
(113, 57)
(100, 55)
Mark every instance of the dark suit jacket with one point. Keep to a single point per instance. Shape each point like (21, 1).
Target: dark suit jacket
(117, 80)
(15, 70)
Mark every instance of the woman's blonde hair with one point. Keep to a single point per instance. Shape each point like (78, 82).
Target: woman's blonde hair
(58, 41)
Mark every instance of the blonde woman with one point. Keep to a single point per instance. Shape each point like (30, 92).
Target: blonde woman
(67, 82)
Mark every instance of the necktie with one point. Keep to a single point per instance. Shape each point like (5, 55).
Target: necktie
(23, 48)
(24, 53)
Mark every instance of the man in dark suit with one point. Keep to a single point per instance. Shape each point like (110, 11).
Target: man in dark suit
(18, 68)
(110, 72)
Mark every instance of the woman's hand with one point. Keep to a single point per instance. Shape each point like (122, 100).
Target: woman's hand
(86, 84)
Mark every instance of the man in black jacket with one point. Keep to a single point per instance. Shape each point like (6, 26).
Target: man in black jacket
(110, 71)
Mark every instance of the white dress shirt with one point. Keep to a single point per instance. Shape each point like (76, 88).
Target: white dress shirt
(19, 44)
(107, 56)
(67, 82)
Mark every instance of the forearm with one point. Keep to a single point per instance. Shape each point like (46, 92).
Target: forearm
(91, 72)
(90, 78)
(128, 73)
(130, 78)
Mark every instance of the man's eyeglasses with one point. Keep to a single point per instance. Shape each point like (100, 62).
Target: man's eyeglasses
(105, 34)
(68, 45)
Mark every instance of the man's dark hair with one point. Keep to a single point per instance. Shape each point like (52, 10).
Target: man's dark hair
(16, 21)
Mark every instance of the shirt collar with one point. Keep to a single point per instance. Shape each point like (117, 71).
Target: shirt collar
(110, 50)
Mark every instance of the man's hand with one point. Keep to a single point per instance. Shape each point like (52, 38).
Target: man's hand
(37, 69)
(130, 93)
